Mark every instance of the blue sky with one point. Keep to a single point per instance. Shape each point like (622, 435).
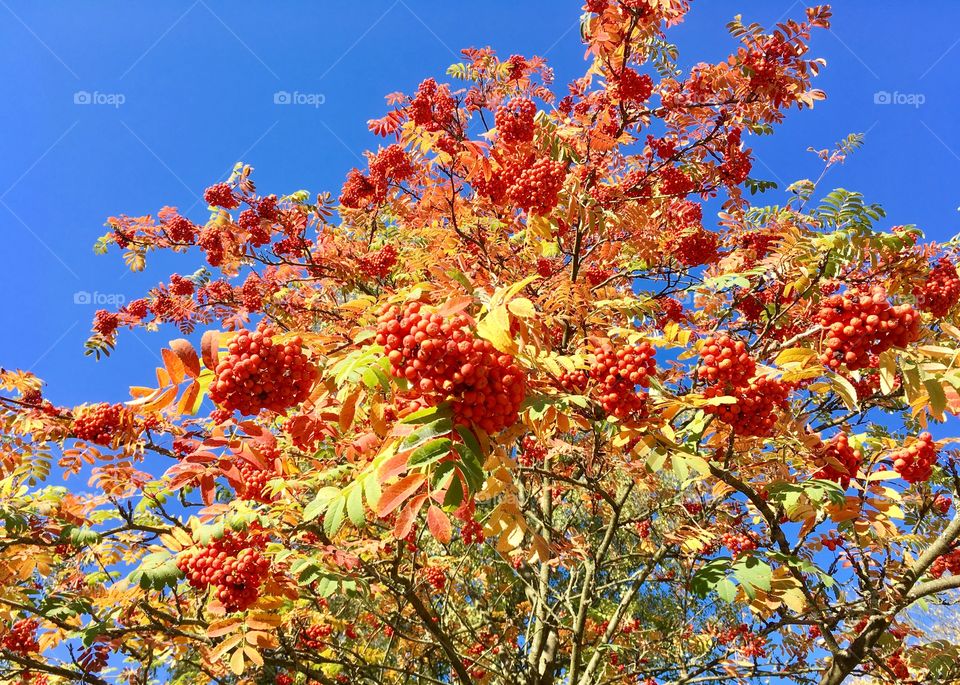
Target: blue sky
(179, 91)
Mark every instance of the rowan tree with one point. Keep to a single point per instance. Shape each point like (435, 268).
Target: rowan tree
(511, 407)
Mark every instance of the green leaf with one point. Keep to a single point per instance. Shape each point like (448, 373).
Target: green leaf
(334, 517)
(426, 433)
(320, 502)
(753, 575)
(428, 414)
(433, 451)
(707, 578)
(470, 467)
(355, 505)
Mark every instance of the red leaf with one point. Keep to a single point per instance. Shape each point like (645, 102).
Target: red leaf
(209, 348)
(404, 524)
(439, 524)
(393, 496)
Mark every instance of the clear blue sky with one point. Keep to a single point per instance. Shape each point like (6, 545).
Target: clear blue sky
(197, 80)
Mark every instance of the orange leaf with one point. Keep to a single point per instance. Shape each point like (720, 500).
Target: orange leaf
(439, 524)
(174, 365)
(189, 399)
(209, 348)
(187, 355)
(227, 625)
(348, 410)
(394, 495)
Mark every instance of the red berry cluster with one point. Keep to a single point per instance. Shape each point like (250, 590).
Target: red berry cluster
(941, 289)
(220, 195)
(378, 264)
(695, 246)
(946, 562)
(736, 164)
(942, 503)
(22, 637)
(674, 182)
(670, 310)
(180, 229)
(898, 666)
(860, 325)
(314, 637)
(514, 121)
(105, 323)
(725, 360)
(283, 679)
(432, 107)
(531, 451)
(838, 460)
(435, 576)
(754, 411)
(472, 533)
(633, 86)
(738, 543)
(751, 644)
(258, 374)
(101, 423)
(233, 564)
(915, 463)
(547, 267)
(537, 188)
(617, 373)
(442, 358)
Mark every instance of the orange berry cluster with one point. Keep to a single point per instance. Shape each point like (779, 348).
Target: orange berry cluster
(725, 360)
(254, 483)
(537, 188)
(258, 374)
(729, 371)
(22, 637)
(101, 423)
(941, 290)
(233, 564)
(442, 358)
(859, 325)
(754, 411)
(838, 460)
(618, 372)
(915, 463)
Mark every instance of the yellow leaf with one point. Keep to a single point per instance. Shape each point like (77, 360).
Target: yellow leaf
(236, 662)
(522, 307)
(495, 327)
(253, 655)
